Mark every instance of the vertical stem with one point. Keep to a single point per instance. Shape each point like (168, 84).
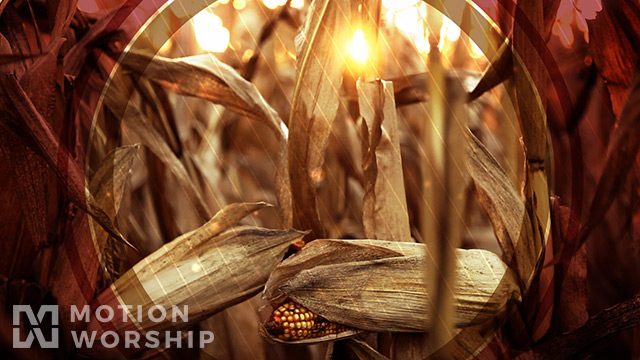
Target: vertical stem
(433, 229)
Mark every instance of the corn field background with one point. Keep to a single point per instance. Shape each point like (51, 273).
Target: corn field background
(326, 179)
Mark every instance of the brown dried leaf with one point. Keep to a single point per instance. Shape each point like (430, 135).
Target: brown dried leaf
(613, 44)
(389, 294)
(530, 78)
(499, 69)
(108, 186)
(206, 77)
(321, 63)
(224, 219)
(503, 205)
(385, 213)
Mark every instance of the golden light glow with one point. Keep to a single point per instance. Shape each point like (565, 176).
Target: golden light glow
(297, 4)
(410, 16)
(399, 4)
(449, 30)
(408, 21)
(476, 52)
(421, 41)
(164, 49)
(359, 49)
(246, 56)
(272, 4)
(239, 4)
(210, 33)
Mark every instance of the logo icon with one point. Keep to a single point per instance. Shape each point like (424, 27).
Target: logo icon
(35, 323)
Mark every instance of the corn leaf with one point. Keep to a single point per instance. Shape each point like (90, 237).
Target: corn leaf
(385, 213)
(321, 64)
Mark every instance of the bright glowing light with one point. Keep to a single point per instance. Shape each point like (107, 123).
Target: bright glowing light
(196, 267)
(223, 2)
(398, 4)
(297, 4)
(272, 4)
(422, 10)
(476, 52)
(210, 33)
(408, 20)
(239, 4)
(164, 49)
(422, 42)
(449, 29)
(359, 49)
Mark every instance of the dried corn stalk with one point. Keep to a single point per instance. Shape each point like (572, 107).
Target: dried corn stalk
(208, 270)
(378, 291)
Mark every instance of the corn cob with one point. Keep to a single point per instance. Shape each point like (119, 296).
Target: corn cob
(292, 321)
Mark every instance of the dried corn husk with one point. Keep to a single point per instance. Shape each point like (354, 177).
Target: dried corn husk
(208, 270)
(382, 292)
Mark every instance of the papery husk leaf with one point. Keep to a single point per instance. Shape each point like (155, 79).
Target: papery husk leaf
(322, 252)
(389, 294)
(205, 269)
(385, 214)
